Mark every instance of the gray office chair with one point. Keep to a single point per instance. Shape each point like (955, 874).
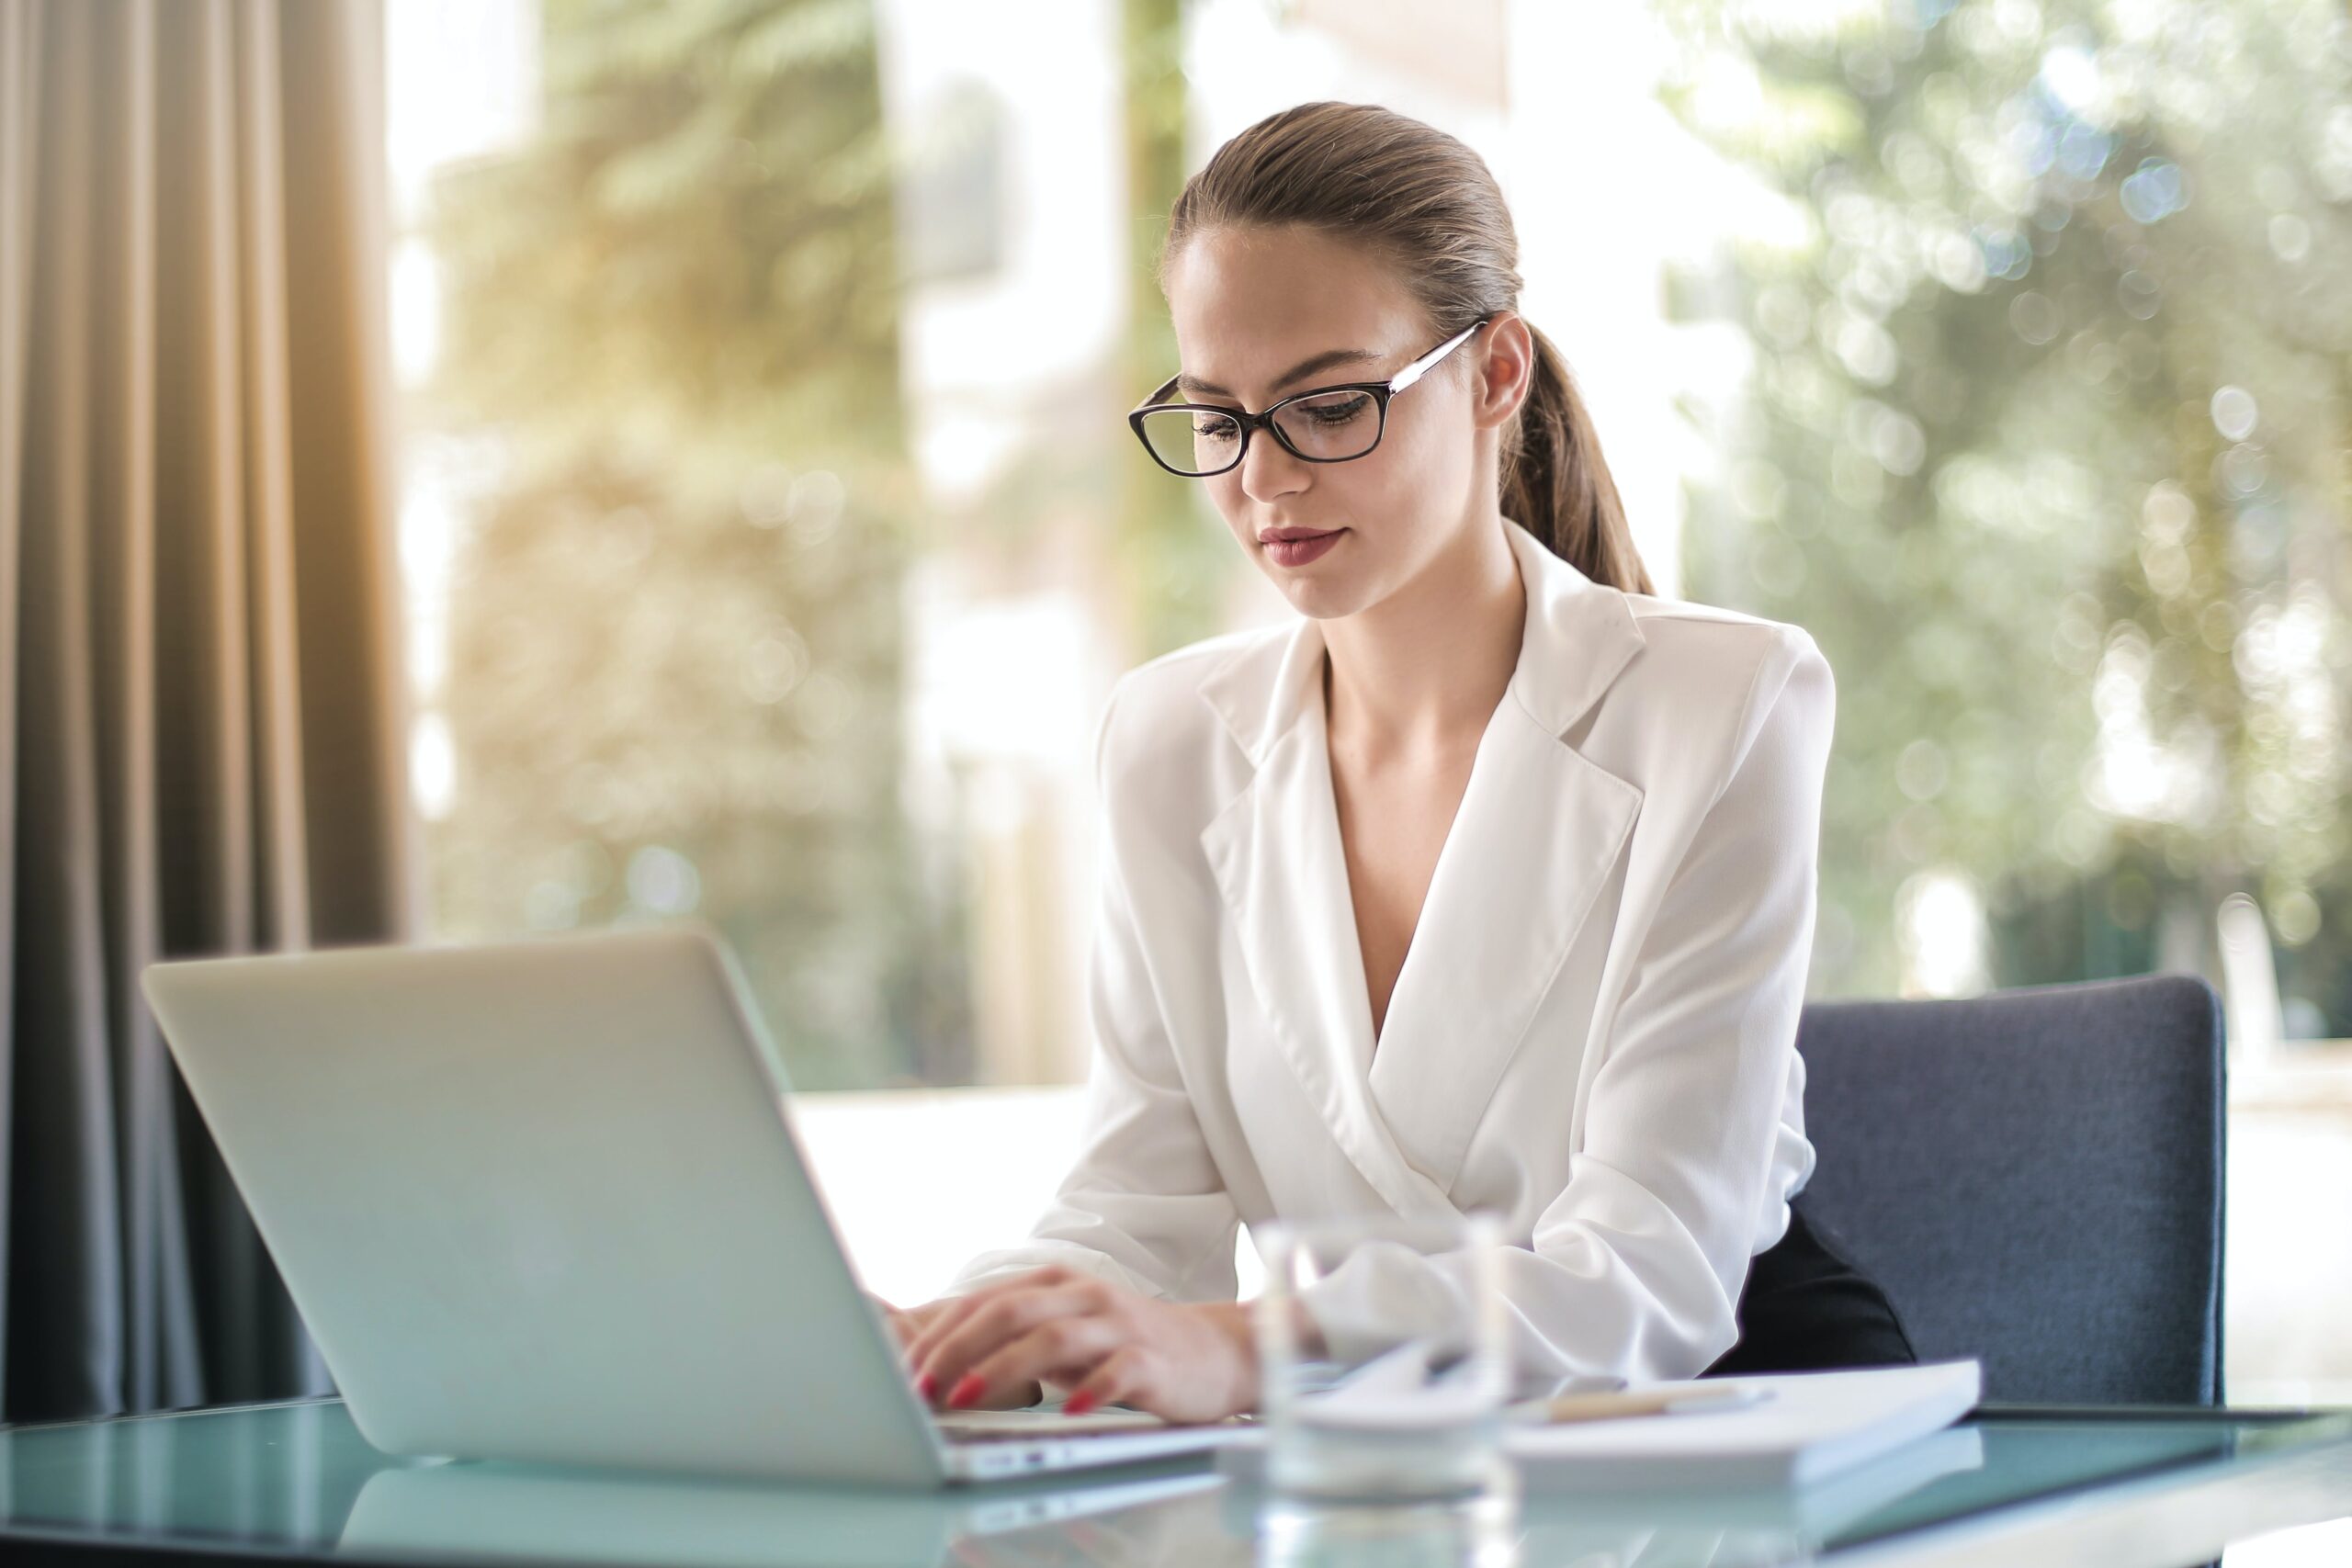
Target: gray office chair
(2034, 1176)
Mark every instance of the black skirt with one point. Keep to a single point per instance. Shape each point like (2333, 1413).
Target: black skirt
(1807, 1308)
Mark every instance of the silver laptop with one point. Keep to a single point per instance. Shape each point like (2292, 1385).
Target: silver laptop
(541, 1200)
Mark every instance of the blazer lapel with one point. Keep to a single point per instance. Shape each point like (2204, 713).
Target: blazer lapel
(1532, 843)
(1275, 849)
(1537, 832)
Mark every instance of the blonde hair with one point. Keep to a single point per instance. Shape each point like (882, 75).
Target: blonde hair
(1427, 202)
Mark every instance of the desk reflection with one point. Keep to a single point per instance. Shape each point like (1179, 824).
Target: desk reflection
(1614, 1530)
(486, 1510)
(530, 1513)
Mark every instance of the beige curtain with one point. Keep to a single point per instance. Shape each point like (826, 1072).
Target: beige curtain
(201, 719)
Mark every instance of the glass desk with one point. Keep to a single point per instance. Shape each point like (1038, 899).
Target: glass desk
(294, 1481)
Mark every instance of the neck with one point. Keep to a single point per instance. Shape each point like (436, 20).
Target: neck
(1425, 667)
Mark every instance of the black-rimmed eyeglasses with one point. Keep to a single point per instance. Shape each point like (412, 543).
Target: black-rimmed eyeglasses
(1324, 425)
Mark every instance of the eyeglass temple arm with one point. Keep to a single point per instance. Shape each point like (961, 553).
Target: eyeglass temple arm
(1419, 367)
(1405, 378)
(1158, 395)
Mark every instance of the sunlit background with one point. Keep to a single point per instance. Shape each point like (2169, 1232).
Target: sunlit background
(772, 534)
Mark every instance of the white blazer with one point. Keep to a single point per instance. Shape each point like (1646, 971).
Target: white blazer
(1593, 1035)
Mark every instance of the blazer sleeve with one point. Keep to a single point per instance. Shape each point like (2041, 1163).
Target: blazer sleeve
(1636, 1266)
(1144, 1205)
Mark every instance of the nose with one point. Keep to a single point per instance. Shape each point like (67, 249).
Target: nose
(1270, 470)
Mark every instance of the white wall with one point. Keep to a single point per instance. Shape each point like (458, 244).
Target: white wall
(920, 1180)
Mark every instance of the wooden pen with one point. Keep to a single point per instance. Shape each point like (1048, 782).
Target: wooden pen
(1631, 1401)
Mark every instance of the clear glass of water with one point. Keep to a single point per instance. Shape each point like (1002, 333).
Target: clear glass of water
(1383, 1356)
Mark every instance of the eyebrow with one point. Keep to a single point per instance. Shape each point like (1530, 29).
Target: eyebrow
(1308, 366)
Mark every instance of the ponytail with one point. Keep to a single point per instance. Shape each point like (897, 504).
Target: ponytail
(1557, 484)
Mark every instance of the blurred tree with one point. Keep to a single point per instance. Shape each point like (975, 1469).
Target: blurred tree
(2047, 441)
(1176, 556)
(675, 671)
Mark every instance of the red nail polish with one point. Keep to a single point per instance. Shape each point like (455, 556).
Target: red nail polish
(967, 1391)
(1079, 1403)
(926, 1386)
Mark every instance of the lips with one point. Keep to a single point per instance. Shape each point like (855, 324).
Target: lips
(1296, 546)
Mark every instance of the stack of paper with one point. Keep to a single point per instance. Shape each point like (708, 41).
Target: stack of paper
(1809, 1425)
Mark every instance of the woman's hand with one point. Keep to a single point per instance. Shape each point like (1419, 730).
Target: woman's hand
(906, 1323)
(992, 1349)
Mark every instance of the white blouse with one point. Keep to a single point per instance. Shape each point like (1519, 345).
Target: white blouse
(1593, 1033)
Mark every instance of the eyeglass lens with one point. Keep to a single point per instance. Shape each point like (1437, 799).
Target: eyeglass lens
(1331, 427)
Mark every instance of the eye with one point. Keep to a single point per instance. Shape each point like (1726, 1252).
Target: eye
(1338, 409)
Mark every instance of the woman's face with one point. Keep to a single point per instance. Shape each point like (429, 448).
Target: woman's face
(1264, 313)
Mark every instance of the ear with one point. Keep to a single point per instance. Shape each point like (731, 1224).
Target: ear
(1503, 372)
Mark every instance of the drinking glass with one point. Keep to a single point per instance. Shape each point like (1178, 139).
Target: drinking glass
(1383, 1356)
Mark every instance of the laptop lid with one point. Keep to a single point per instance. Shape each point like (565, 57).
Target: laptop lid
(541, 1200)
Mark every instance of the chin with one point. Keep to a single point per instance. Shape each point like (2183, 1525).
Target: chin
(1324, 601)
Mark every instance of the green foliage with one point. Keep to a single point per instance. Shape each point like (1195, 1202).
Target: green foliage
(675, 673)
(1175, 555)
(2047, 442)
(695, 247)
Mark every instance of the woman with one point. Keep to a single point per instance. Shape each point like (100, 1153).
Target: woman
(1489, 882)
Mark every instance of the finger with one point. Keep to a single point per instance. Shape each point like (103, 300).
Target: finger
(957, 1313)
(1065, 1349)
(953, 1311)
(910, 1324)
(1009, 1396)
(992, 1326)
(967, 1310)
(1116, 1379)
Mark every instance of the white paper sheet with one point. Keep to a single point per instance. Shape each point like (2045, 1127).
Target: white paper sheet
(1815, 1425)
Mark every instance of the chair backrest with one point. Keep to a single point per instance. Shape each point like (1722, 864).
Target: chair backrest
(2035, 1179)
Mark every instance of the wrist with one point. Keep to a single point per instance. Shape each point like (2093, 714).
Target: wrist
(1306, 1332)
(1234, 1320)
(1235, 1323)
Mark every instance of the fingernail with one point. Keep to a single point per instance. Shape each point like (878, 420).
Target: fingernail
(1079, 1403)
(927, 1386)
(966, 1391)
